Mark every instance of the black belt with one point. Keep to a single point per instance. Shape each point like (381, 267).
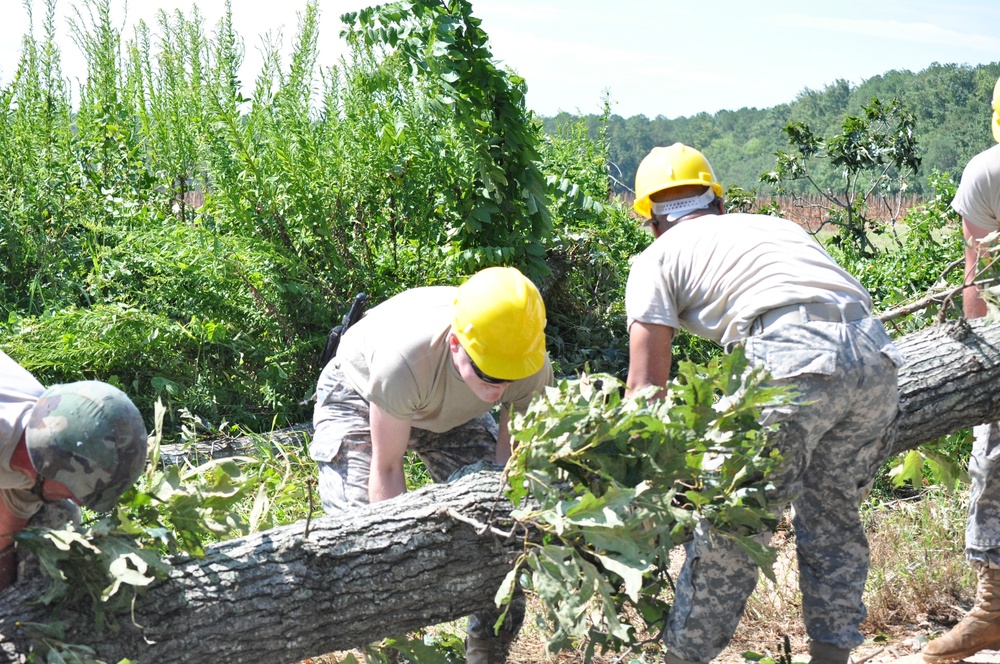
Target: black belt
(828, 312)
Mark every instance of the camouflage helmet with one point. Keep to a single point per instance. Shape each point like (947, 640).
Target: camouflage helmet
(90, 437)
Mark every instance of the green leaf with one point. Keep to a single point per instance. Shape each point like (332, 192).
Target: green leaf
(631, 574)
(911, 469)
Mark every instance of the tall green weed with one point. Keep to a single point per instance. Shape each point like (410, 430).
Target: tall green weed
(237, 228)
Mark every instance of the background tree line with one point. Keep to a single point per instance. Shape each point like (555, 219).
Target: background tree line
(949, 102)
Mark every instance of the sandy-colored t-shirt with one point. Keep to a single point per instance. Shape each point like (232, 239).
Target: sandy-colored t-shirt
(978, 195)
(397, 356)
(18, 393)
(713, 275)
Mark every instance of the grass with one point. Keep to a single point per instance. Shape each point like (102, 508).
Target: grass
(919, 575)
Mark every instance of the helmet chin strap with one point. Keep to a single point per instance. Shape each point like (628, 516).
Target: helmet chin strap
(678, 207)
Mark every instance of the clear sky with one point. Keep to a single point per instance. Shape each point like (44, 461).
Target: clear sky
(654, 57)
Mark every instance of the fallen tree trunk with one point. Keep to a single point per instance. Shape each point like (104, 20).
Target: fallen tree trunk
(284, 595)
(951, 381)
(287, 594)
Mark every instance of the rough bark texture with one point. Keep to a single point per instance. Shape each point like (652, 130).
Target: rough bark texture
(281, 596)
(951, 381)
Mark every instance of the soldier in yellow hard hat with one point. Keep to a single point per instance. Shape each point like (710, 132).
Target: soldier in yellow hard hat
(422, 371)
(766, 284)
(978, 201)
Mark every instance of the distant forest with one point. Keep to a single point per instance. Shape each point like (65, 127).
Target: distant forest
(951, 104)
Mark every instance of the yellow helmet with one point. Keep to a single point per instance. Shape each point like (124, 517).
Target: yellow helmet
(500, 322)
(995, 123)
(664, 168)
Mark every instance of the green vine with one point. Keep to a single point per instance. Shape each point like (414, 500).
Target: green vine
(504, 214)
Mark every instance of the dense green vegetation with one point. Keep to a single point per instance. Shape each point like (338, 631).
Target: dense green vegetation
(949, 102)
(163, 231)
(166, 233)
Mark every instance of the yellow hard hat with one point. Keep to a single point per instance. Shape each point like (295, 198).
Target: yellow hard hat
(500, 322)
(995, 123)
(664, 168)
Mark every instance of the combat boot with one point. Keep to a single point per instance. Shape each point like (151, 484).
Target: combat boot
(979, 629)
(824, 653)
(488, 651)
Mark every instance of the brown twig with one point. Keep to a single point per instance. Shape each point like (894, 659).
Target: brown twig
(480, 527)
(309, 492)
(867, 657)
(922, 303)
(967, 283)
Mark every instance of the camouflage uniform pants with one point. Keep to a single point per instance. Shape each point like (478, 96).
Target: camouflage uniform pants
(982, 530)
(342, 448)
(832, 439)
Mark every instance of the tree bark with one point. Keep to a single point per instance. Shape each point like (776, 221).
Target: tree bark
(287, 594)
(950, 381)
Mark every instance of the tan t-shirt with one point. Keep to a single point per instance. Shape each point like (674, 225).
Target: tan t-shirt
(18, 393)
(713, 275)
(397, 356)
(978, 195)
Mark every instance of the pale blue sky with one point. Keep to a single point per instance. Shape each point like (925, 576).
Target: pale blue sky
(655, 57)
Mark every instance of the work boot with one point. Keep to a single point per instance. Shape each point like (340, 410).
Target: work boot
(825, 653)
(488, 651)
(979, 629)
(483, 645)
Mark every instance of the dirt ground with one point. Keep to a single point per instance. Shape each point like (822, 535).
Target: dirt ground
(901, 646)
(773, 611)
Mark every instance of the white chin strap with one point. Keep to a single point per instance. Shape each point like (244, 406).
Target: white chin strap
(679, 207)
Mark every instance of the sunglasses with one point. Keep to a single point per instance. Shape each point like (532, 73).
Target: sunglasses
(483, 377)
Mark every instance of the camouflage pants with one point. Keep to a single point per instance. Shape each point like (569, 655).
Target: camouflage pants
(982, 530)
(832, 439)
(342, 448)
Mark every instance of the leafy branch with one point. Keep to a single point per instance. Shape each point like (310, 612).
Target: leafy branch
(505, 212)
(613, 483)
(875, 152)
